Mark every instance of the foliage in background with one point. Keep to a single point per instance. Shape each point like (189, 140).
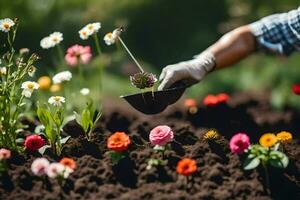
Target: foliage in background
(161, 32)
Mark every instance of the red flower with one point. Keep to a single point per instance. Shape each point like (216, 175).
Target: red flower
(34, 142)
(190, 103)
(296, 88)
(210, 100)
(213, 100)
(119, 142)
(186, 167)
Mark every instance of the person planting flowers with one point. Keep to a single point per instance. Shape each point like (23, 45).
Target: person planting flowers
(118, 143)
(277, 34)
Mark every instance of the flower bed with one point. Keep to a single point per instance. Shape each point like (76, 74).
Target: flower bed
(219, 174)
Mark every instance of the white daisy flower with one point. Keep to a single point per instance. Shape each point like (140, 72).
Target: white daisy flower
(110, 38)
(89, 30)
(3, 71)
(28, 87)
(84, 34)
(85, 91)
(61, 77)
(6, 24)
(56, 38)
(56, 100)
(57, 169)
(46, 43)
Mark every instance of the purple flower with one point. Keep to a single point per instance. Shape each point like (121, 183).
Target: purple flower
(143, 80)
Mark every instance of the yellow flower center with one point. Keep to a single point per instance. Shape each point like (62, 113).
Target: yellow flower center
(30, 86)
(6, 26)
(57, 98)
(55, 40)
(90, 27)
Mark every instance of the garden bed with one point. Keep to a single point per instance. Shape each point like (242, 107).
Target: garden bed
(219, 175)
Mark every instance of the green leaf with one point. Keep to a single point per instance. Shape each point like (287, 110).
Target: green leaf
(278, 159)
(44, 115)
(115, 157)
(251, 163)
(64, 140)
(43, 149)
(20, 140)
(58, 117)
(86, 120)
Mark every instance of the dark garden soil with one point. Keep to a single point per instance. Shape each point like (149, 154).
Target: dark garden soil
(219, 175)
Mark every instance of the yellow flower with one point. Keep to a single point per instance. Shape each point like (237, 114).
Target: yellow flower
(211, 135)
(268, 140)
(55, 88)
(284, 136)
(44, 82)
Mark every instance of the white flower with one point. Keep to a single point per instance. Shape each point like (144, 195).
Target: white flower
(46, 43)
(89, 30)
(57, 169)
(110, 38)
(84, 34)
(56, 38)
(61, 77)
(56, 100)
(85, 91)
(3, 71)
(28, 87)
(40, 166)
(6, 24)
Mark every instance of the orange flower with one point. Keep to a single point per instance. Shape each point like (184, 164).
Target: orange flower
(119, 142)
(190, 103)
(222, 97)
(210, 100)
(55, 88)
(284, 136)
(268, 140)
(44, 82)
(186, 167)
(68, 162)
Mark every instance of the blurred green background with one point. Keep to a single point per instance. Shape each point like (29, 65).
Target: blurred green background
(159, 32)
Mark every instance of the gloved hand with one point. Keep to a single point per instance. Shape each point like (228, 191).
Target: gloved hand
(190, 72)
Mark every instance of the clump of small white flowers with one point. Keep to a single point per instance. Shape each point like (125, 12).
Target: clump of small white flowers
(52, 40)
(56, 170)
(110, 38)
(3, 71)
(6, 24)
(28, 87)
(85, 91)
(61, 77)
(56, 100)
(89, 30)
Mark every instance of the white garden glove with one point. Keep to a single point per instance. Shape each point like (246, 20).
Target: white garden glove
(190, 72)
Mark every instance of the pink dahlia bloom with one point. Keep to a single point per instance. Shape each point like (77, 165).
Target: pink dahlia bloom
(161, 135)
(239, 143)
(39, 166)
(34, 142)
(78, 54)
(4, 154)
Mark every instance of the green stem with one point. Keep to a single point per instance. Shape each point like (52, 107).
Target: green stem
(131, 55)
(96, 39)
(60, 54)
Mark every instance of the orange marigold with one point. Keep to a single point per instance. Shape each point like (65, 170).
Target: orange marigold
(119, 142)
(44, 82)
(186, 167)
(68, 162)
(268, 140)
(284, 136)
(190, 103)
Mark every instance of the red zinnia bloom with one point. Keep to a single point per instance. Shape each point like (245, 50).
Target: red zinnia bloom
(222, 97)
(119, 142)
(210, 100)
(296, 88)
(34, 142)
(186, 167)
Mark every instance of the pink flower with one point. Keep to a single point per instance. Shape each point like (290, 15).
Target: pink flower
(296, 88)
(78, 54)
(4, 154)
(161, 135)
(34, 142)
(39, 166)
(239, 143)
(58, 170)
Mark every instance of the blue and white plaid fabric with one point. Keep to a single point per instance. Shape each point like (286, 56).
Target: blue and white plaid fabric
(279, 33)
